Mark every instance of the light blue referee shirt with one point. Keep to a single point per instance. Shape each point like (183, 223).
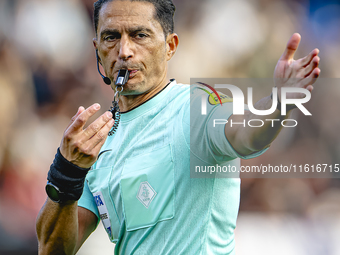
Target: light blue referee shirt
(140, 186)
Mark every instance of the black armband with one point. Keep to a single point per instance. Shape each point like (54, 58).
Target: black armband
(278, 106)
(65, 180)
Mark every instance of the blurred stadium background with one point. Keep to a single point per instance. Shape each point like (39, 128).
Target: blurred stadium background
(48, 69)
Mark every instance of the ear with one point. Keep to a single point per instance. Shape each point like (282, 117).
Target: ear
(94, 40)
(171, 45)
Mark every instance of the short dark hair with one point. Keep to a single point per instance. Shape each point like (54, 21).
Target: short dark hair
(165, 10)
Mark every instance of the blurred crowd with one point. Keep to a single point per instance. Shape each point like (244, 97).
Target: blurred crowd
(48, 69)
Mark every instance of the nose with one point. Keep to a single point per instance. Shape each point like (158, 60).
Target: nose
(125, 48)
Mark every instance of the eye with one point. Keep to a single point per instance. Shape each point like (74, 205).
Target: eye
(141, 35)
(110, 38)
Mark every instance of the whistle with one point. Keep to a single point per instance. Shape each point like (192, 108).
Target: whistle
(122, 77)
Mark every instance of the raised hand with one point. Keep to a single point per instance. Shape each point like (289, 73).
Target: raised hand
(81, 146)
(301, 73)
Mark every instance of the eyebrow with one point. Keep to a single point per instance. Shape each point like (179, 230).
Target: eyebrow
(130, 31)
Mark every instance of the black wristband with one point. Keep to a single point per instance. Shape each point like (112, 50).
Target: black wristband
(278, 106)
(67, 177)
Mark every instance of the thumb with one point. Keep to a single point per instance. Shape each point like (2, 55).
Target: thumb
(292, 46)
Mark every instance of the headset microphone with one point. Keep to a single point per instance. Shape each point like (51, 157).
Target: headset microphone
(105, 79)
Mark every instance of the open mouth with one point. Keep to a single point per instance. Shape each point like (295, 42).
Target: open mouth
(132, 73)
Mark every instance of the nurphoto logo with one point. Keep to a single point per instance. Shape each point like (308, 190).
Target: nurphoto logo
(239, 107)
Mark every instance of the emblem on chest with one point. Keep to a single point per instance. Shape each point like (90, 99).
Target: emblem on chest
(146, 194)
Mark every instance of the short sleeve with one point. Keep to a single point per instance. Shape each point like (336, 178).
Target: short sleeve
(87, 201)
(207, 137)
(216, 133)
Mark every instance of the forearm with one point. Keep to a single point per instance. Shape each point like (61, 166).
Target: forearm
(60, 229)
(248, 139)
(57, 228)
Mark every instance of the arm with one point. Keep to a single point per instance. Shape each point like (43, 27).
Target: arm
(63, 227)
(301, 73)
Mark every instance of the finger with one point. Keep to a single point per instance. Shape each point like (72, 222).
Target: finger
(80, 110)
(291, 48)
(97, 125)
(99, 146)
(311, 79)
(310, 88)
(314, 64)
(306, 60)
(83, 117)
(97, 141)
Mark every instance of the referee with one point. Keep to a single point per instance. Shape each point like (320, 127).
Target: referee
(130, 168)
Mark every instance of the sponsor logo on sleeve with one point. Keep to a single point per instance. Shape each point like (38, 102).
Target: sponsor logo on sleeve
(103, 212)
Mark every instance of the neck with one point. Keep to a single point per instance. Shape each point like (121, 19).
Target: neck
(128, 102)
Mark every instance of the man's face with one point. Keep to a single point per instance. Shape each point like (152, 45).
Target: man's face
(129, 37)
